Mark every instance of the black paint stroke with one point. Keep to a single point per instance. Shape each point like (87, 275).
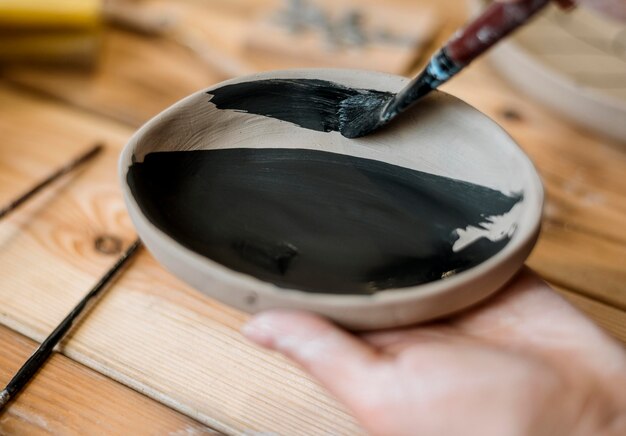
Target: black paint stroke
(314, 220)
(309, 103)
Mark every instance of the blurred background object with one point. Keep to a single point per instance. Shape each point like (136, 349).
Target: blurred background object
(148, 55)
(573, 62)
(350, 34)
(43, 31)
(320, 33)
(45, 14)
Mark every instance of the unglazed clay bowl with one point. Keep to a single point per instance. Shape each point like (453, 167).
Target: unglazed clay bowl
(247, 192)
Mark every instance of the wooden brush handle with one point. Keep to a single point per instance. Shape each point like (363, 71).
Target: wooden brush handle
(497, 21)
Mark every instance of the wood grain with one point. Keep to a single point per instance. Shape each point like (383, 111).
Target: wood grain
(66, 398)
(168, 341)
(150, 332)
(586, 190)
(139, 76)
(310, 48)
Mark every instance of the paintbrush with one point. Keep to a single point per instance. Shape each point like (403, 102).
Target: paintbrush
(139, 19)
(44, 351)
(66, 169)
(367, 111)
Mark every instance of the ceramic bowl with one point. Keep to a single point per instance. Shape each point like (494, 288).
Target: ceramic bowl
(247, 192)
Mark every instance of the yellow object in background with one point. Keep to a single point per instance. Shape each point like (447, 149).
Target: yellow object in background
(59, 48)
(65, 32)
(50, 14)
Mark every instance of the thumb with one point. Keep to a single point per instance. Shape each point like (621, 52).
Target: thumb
(338, 360)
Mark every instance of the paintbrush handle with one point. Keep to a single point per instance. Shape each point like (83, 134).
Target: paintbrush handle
(45, 349)
(496, 22)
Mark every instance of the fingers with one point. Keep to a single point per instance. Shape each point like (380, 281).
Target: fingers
(340, 361)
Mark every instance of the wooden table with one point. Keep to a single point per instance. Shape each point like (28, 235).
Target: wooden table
(156, 357)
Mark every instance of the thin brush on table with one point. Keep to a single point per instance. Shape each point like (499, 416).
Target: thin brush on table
(368, 111)
(41, 355)
(71, 166)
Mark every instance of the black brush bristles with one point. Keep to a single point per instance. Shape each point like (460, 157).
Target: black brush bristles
(367, 111)
(362, 113)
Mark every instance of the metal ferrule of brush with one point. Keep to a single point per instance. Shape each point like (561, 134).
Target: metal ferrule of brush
(439, 70)
(442, 68)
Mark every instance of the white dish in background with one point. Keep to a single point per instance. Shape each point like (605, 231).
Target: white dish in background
(573, 62)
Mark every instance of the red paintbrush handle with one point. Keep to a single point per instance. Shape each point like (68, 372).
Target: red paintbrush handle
(497, 21)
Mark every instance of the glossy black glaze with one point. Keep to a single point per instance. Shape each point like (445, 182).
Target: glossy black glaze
(316, 221)
(309, 103)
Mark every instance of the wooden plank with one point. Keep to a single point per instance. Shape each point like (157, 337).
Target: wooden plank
(314, 47)
(200, 364)
(157, 73)
(67, 398)
(583, 190)
(138, 76)
(611, 319)
(582, 263)
(150, 332)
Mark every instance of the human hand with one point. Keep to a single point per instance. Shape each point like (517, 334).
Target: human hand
(524, 363)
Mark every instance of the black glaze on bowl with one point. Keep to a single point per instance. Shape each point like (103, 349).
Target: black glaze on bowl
(316, 221)
(309, 103)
